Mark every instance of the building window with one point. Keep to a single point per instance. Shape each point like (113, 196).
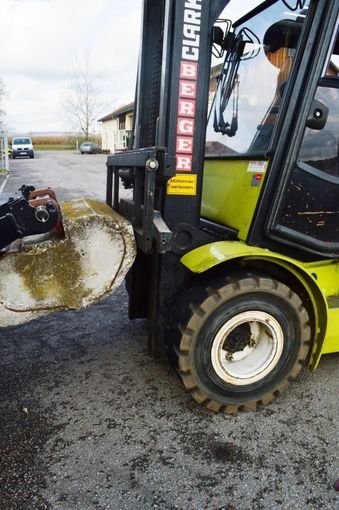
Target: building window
(122, 122)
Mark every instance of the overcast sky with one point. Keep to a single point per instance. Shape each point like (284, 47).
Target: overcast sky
(39, 40)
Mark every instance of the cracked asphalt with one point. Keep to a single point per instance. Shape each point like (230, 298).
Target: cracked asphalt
(89, 421)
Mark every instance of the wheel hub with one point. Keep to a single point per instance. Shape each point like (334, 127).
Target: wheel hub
(247, 347)
(238, 339)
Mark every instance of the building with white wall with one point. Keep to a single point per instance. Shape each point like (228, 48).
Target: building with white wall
(116, 127)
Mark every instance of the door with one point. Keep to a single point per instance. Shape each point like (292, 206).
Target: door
(307, 213)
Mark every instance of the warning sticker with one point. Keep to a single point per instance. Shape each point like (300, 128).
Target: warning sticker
(257, 166)
(182, 185)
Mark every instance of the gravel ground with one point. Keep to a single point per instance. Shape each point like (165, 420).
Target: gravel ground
(89, 421)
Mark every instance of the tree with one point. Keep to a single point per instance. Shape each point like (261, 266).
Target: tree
(81, 105)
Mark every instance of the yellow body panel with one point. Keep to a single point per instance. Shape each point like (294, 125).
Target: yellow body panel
(230, 192)
(320, 280)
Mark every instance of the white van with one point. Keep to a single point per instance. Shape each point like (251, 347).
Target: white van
(22, 146)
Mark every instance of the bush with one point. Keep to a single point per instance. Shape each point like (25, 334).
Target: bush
(49, 143)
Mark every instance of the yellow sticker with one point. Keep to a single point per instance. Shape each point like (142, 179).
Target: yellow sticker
(182, 184)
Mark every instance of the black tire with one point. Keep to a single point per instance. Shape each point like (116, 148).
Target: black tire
(244, 340)
(13, 157)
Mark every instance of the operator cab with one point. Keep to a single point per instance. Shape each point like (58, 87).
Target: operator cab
(265, 108)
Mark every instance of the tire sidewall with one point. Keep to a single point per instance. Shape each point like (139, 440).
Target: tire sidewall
(273, 304)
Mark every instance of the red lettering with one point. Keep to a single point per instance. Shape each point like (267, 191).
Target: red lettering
(188, 89)
(189, 70)
(186, 108)
(185, 127)
(184, 145)
(184, 163)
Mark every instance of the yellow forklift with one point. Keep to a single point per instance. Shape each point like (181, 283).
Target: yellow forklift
(233, 167)
(236, 218)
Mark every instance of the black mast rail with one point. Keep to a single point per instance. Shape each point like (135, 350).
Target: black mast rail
(165, 167)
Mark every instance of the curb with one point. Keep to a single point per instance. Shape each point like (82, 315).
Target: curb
(3, 179)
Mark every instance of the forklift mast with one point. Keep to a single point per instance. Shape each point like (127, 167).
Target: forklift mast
(165, 164)
(171, 105)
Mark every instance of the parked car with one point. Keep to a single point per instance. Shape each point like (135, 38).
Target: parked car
(22, 147)
(89, 148)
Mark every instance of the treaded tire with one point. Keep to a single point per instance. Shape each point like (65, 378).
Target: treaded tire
(284, 320)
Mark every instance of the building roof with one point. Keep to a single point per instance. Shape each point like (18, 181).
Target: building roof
(124, 109)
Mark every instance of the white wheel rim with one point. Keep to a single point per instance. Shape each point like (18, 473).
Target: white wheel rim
(249, 363)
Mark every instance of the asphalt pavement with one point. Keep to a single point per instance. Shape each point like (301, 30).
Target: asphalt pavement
(89, 421)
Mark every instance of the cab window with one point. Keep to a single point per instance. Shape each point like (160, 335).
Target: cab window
(252, 81)
(320, 148)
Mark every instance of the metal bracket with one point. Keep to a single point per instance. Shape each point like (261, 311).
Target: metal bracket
(145, 171)
(21, 217)
(163, 235)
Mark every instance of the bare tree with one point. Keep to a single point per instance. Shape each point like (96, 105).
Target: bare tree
(81, 105)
